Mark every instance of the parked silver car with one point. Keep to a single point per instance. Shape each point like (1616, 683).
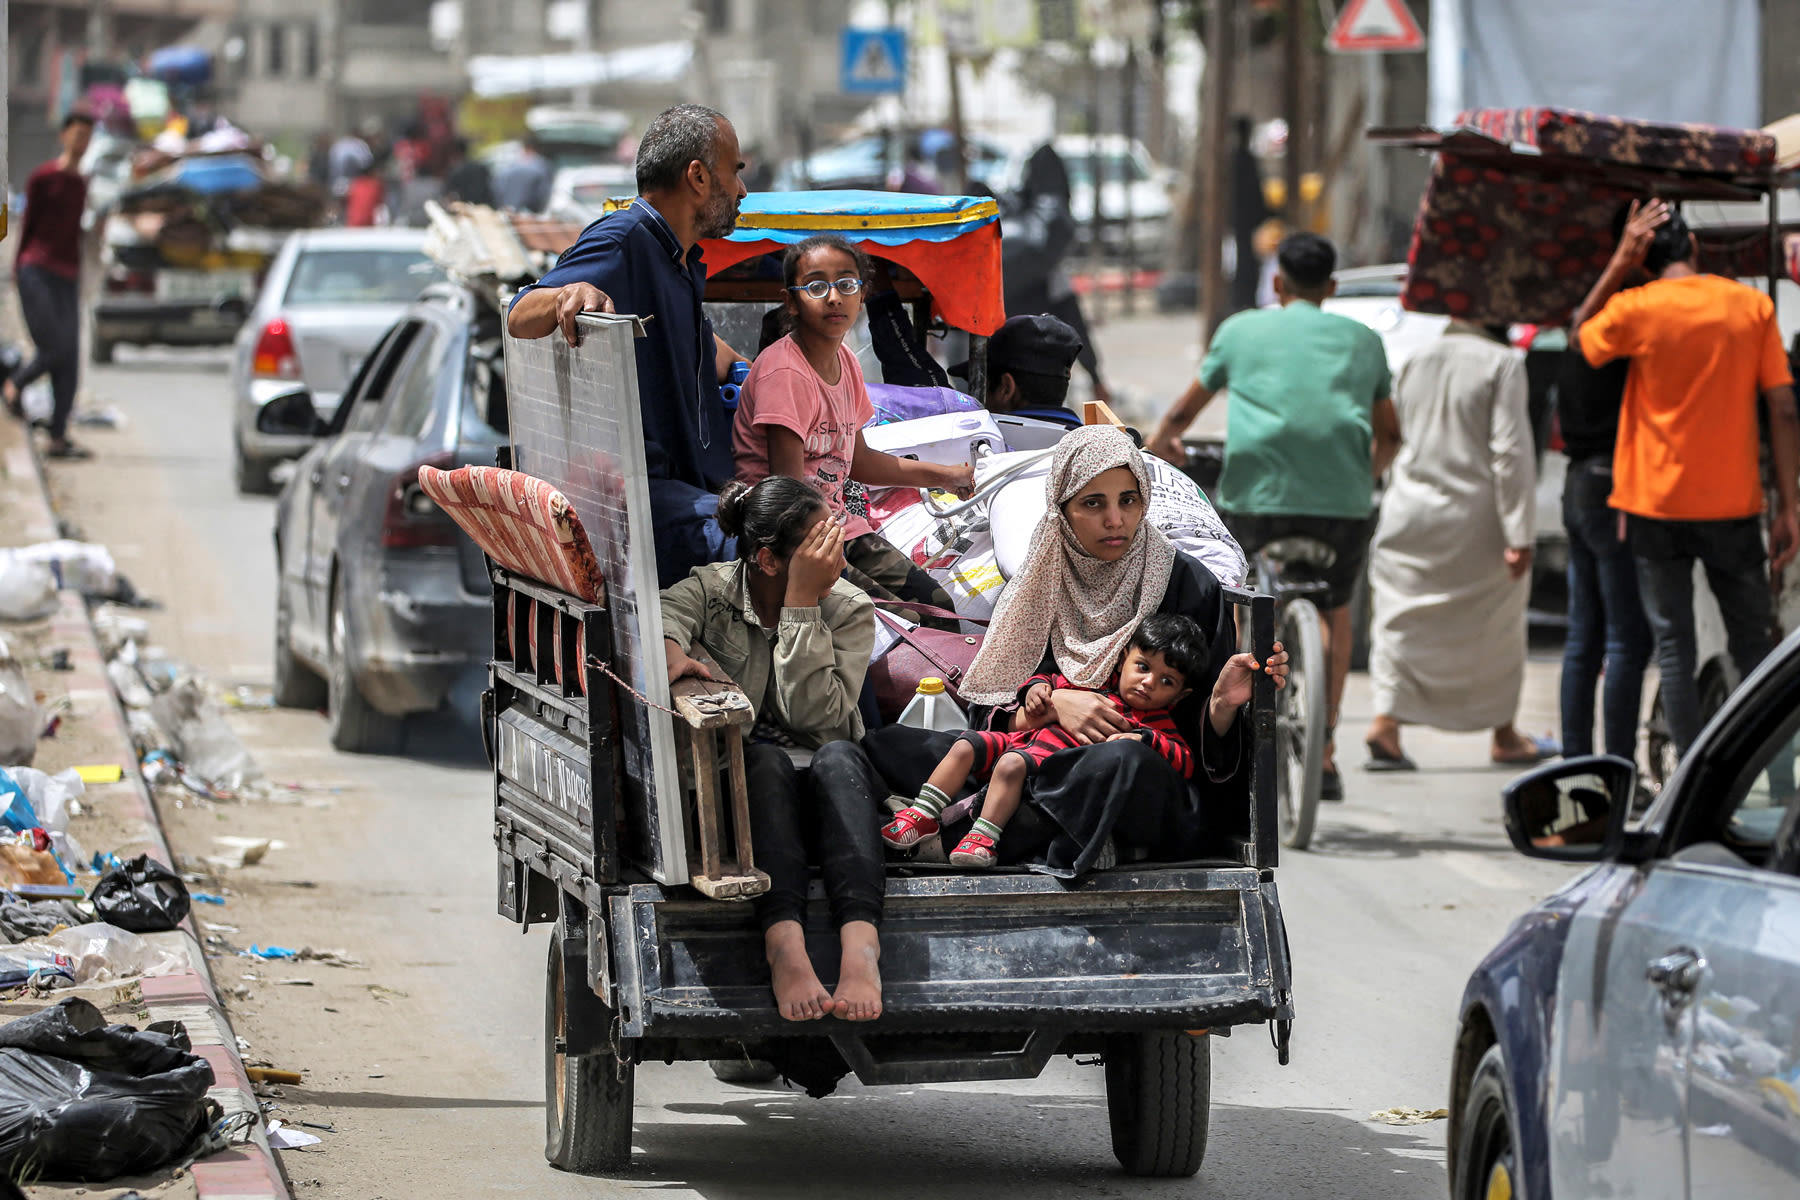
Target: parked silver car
(328, 297)
(1638, 1032)
(382, 601)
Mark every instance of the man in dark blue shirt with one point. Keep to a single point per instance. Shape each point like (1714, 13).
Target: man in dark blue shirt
(643, 260)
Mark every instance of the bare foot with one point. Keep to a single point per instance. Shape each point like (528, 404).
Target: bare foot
(858, 995)
(798, 993)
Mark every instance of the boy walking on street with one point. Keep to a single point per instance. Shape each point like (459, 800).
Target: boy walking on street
(1311, 428)
(48, 275)
(1686, 470)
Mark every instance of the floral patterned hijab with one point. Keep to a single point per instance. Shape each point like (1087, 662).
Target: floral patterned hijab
(1085, 610)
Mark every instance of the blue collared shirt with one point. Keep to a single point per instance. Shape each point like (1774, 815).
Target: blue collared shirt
(634, 257)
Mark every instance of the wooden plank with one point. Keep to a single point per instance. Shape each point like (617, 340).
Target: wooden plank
(711, 703)
(738, 781)
(732, 887)
(1098, 412)
(706, 802)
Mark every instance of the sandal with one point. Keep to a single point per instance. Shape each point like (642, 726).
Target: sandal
(1541, 749)
(975, 850)
(67, 450)
(908, 828)
(1381, 760)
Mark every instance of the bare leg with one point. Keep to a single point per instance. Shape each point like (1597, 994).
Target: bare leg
(798, 993)
(1005, 789)
(1335, 626)
(858, 995)
(954, 770)
(1384, 734)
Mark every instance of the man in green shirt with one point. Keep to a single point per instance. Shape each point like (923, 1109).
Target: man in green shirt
(1310, 429)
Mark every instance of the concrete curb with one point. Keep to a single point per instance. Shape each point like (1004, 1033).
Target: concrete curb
(247, 1172)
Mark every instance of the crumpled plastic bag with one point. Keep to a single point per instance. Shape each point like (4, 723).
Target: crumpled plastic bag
(1409, 1116)
(102, 953)
(142, 895)
(19, 719)
(203, 741)
(48, 797)
(27, 589)
(84, 1100)
(81, 566)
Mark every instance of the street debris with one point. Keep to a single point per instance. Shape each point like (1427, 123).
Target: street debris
(201, 739)
(271, 1075)
(27, 589)
(284, 1137)
(237, 852)
(40, 801)
(19, 720)
(1409, 1116)
(142, 895)
(84, 1100)
(98, 953)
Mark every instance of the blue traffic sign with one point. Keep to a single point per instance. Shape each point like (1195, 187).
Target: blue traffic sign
(874, 61)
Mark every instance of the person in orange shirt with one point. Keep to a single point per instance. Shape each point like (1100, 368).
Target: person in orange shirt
(1686, 467)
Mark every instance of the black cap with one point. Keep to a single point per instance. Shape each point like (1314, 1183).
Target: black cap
(1037, 345)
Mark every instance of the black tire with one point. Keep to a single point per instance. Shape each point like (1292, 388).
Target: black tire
(296, 686)
(1159, 1102)
(587, 1099)
(354, 726)
(1485, 1162)
(1301, 711)
(252, 475)
(749, 1072)
(101, 352)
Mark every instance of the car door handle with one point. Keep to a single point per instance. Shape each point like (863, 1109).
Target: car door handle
(343, 482)
(1677, 974)
(316, 478)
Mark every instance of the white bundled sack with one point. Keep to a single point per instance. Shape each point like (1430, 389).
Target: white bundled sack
(80, 566)
(27, 589)
(19, 718)
(1176, 506)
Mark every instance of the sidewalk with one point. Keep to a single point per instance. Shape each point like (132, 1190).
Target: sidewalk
(122, 817)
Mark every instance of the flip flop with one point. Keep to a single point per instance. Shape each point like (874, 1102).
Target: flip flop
(1331, 787)
(1541, 748)
(1380, 760)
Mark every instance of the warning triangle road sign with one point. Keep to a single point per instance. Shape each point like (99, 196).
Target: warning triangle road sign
(1379, 25)
(875, 64)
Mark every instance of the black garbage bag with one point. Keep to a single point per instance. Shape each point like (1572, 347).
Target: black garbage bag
(142, 896)
(86, 1101)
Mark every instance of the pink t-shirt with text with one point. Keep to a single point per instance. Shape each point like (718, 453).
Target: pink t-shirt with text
(784, 390)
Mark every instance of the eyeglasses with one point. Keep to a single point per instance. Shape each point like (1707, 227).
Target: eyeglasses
(818, 289)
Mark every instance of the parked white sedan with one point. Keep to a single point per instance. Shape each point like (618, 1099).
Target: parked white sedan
(328, 297)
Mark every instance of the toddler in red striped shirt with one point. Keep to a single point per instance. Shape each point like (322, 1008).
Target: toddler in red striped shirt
(1164, 653)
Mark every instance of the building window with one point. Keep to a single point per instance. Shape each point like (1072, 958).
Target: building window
(276, 59)
(309, 50)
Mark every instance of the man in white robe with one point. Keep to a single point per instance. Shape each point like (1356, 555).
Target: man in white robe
(1450, 565)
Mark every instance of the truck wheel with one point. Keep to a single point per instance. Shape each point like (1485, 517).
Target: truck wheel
(295, 685)
(588, 1098)
(1485, 1162)
(352, 724)
(1159, 1100)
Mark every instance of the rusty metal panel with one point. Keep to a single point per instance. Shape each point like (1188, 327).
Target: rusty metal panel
(575, 423)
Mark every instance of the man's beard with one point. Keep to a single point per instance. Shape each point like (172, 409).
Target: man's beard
(719, 217)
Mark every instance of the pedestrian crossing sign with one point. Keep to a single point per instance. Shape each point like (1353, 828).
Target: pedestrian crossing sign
(874, 61)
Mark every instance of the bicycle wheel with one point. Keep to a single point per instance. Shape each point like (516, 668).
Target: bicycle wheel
(1300, 724)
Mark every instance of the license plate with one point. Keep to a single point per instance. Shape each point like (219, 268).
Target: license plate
(208, 286)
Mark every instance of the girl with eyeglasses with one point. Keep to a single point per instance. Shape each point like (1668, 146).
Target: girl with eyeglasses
(802, 410)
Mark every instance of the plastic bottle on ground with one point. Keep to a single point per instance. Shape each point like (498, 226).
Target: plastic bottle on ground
(932, 708)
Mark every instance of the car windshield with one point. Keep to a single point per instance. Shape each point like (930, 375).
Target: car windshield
(359, 276)
(1112, 167)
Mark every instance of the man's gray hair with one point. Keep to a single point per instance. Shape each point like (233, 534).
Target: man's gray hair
(677, 137)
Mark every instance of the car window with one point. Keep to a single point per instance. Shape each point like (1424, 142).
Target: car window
(1764, 795)
(359, 276)
(408, 410)
(362, 399)
(487, 385)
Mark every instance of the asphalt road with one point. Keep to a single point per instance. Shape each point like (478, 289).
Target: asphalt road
(428, 1063)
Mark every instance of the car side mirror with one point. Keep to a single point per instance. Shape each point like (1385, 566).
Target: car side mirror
(290, 414)
(1571, 811)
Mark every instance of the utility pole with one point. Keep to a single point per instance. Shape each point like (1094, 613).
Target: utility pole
(1293, 108)
(1214, 161)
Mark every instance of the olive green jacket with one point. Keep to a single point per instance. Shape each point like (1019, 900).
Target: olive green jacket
(805, 675)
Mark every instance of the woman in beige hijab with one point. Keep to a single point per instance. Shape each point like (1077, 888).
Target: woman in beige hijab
(1096, 568)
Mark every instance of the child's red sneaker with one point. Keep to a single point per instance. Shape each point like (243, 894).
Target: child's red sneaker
(908, 828)
(975, 850)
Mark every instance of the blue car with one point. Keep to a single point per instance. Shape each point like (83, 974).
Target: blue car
(1637, 1034)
